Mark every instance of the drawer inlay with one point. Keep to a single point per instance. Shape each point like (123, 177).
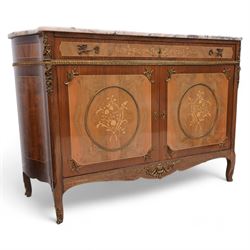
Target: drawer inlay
(105, 49)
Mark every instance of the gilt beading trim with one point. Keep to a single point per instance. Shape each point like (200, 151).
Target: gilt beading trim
(122, 62)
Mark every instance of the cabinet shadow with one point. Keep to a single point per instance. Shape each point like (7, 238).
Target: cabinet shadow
(99, 191)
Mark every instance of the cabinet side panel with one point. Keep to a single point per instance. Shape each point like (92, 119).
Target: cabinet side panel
(32, 107)
(27, 48)
(32, 114)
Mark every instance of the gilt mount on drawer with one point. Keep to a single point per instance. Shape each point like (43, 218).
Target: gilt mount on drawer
(100, 106)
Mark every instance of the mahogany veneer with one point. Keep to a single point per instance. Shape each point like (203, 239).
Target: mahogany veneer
(99, 106)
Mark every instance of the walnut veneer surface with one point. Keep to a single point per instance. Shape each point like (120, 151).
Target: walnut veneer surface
(99, 106)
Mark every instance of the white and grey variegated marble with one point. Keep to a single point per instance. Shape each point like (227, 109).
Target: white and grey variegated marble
(106, 32)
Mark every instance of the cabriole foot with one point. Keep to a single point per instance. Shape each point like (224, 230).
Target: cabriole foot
(27, 185)
(58, 199)
(59, 215)
(230, 167)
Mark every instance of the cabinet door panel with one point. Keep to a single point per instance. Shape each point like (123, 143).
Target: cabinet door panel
(198, 108)
(110, 119)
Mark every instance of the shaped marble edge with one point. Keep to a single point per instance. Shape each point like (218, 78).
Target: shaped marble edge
(108, 32)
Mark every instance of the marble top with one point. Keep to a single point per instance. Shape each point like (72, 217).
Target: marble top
(106, 32)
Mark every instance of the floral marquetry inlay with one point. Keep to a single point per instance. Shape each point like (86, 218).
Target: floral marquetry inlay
(197, 111)
(112, 118)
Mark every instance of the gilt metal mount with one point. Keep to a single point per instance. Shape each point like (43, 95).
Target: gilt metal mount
(84, 49)
(48, 78)
(148, 155)
(161, 169)
(170, 72)
(71, 75)
(149, 74)
(217, 52)
(227, 73)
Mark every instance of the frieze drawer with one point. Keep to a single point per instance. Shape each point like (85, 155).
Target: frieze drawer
(93, 49)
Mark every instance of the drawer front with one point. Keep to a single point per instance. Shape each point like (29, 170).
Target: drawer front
(93, 49)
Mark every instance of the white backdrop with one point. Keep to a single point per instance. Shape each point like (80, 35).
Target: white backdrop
(195, 209)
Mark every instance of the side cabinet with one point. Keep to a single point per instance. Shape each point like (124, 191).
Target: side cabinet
(102, 106)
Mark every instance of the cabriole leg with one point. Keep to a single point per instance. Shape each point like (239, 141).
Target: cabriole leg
(230, 167)
(27, 185)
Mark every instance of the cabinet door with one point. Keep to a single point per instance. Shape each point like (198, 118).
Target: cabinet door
(106, 115)
(199, 111)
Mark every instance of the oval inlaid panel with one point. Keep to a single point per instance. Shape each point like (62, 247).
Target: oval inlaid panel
(197, 111)
(112, 118)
